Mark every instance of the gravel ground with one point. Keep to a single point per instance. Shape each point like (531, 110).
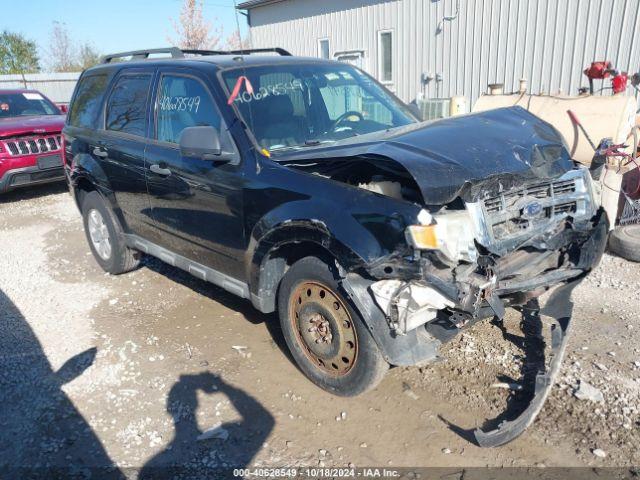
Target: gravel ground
(156, 368)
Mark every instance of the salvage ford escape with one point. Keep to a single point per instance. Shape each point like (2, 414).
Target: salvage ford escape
(309, 189)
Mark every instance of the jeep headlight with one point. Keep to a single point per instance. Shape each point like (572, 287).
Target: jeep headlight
(450, 233)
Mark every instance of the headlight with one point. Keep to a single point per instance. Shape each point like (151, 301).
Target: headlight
(451, 233)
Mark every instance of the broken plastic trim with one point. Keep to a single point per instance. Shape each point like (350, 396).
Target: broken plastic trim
(408, 305)
(558, 307)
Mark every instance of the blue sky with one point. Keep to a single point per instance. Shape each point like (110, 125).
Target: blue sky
(110, 25)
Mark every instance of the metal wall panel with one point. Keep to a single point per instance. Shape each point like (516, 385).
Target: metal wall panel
(57, 86)
(547, 42)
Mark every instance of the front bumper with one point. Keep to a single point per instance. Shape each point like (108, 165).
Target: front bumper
(27, 176)
(458, 306)
(558, 308)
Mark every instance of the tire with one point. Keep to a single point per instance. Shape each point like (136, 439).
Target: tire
(325, 334)
(625, 242)
(114, 256)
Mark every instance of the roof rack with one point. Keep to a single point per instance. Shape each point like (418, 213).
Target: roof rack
(142, 54)
(176, 52)
(279, 51)
(203, 52)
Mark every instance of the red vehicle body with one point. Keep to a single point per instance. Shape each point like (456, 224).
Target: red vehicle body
(30, 141)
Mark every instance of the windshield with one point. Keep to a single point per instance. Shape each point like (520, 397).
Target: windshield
(26, 103)
(296, 106)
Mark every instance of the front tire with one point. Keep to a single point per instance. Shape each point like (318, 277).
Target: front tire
(325, 334)
(105, 237)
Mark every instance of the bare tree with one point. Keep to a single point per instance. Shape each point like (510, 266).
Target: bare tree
(64, 55)
(61, 50)
(192, 30)
(87, 56)
(236, 42)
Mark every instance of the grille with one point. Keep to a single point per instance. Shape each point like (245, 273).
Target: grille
(537, 191)
(33, 145)
(519, 212)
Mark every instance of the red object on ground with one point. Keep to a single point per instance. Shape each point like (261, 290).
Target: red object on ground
(619, 82)
(30, 143)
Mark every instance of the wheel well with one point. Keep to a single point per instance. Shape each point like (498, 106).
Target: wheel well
(83, 186)
(276, 264)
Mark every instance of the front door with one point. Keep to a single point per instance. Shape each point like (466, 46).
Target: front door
(197, 203)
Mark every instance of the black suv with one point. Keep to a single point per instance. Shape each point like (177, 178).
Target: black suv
(306, 187)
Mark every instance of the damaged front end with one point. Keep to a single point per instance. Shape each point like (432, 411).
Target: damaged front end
(496, 252)
(500, 215)
(491, 252)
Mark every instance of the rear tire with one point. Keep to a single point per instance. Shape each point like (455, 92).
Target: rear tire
(325, 334)
(625, 242)
(105, 236)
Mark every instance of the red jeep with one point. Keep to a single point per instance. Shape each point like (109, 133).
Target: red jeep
(30, 143)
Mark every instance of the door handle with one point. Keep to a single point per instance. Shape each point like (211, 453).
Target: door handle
(155, 168)
(100, 152)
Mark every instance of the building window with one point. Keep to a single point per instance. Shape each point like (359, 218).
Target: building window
(323, 48)
(385, 56)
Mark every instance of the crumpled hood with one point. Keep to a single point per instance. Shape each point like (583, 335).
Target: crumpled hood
(13, 126)
(469, 156)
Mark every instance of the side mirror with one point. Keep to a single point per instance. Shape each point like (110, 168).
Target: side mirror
(64, 108)
(202, 142)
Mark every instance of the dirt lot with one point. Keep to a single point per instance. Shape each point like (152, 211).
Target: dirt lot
(130, 370)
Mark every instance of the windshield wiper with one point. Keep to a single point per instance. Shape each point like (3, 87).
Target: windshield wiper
(307, 143)
(315, 143)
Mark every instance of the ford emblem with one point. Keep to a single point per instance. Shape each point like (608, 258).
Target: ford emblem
(532, 210)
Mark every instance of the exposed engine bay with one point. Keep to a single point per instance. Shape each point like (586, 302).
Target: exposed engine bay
(494, 251)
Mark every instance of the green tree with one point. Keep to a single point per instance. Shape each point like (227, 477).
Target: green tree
(17, 54)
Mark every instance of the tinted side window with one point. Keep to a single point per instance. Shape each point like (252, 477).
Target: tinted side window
(183, 102)
(127, 105)
(87, 101)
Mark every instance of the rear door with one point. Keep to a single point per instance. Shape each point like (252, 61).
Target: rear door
(196, 203)
(122, 144)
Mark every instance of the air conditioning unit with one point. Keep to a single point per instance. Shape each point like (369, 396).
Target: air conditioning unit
(434, 108)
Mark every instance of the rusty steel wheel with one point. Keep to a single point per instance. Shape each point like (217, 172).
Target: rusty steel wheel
(326, 335)
(324, 328)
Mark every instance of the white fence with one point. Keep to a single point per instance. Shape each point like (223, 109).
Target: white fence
(57, 86)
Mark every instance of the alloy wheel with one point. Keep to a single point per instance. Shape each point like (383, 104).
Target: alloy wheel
(99, 234)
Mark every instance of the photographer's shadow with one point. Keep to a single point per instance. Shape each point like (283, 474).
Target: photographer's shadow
(234, 444)
(42, 433)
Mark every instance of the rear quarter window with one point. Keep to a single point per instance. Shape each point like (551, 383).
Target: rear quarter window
(87, 101)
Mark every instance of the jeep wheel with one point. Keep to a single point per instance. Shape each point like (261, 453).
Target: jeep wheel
(326, 336)
(105, 237)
